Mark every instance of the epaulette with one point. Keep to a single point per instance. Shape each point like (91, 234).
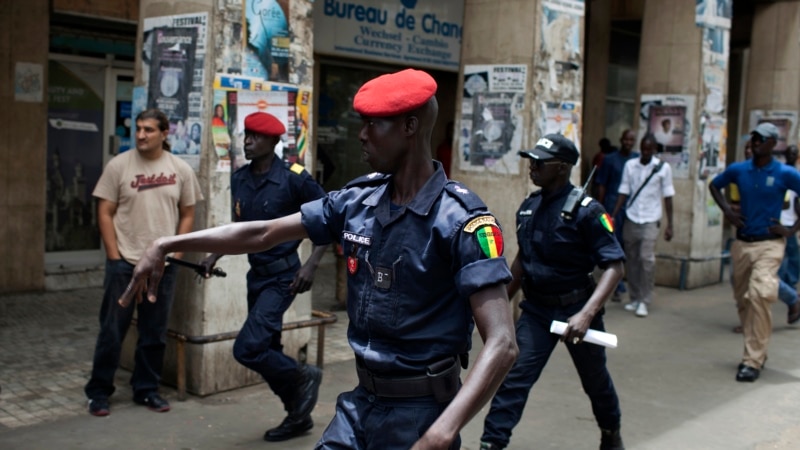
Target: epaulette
(294, 167)
(469, 199)
(371, 179)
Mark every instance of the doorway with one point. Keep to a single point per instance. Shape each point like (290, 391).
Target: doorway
(89, 109)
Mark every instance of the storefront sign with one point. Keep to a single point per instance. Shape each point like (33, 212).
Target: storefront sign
(420, 33)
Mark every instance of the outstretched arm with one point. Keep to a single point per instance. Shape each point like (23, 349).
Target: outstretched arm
(496, 327)
(233, 239)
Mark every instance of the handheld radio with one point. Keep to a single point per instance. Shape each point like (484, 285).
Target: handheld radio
(574, 198)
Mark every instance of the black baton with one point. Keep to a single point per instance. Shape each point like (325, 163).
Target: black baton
(217, 272)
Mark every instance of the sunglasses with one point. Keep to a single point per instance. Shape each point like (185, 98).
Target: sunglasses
(538, 163)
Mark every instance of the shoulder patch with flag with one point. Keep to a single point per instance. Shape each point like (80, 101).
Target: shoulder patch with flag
(607, 223)
(490, 239)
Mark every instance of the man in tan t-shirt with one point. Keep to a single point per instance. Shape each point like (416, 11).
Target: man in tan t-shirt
(142, 195)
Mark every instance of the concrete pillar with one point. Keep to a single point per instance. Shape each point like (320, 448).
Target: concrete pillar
(219, 305)
(24, 49)
(773, 75)
(675, 68)
(598, 40)
(512, 32)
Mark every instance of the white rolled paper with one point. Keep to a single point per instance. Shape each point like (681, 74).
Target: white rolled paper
(592, 336)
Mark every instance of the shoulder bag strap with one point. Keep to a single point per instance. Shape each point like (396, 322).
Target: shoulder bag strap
(655, 171)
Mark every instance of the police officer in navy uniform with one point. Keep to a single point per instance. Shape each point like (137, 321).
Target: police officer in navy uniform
(559, 246)
(425, 266)
(268, 188)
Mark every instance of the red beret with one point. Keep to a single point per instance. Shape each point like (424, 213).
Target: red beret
(263, 123)
(395, 93)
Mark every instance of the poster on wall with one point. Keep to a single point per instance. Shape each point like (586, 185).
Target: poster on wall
(221, 131)
(186, 128)
(279, 103)
(562, 42)
(418, 33)
(668, 117)
(786, 121)
(171, 66)
(74, 156)
(713, 151)
(713, 13)
(28, 82)
(491, 129)
(266, 49)
(563, 118)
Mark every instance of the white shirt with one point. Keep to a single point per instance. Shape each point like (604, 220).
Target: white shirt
(789, 215)
(646, 207)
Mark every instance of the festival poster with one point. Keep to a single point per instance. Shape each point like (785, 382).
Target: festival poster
(266, 49)
(491, 130)
(562, 44)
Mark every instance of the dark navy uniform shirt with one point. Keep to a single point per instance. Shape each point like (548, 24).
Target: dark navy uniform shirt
(559, 254)
(411, 268)
(278, 192)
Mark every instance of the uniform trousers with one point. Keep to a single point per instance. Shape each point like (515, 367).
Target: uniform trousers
(640, 252)
(151, 324)
(258, 345)
(536, 343)
(364, 421)
(755, 287)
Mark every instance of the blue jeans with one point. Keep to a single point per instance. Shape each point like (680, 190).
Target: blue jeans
(536, 344)
(114, 323)
(258, 344)
(789, 273)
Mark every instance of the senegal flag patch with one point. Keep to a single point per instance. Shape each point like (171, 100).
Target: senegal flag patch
(607, 223)
(490, 238)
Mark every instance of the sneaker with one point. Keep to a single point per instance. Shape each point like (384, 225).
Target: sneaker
(488, 446)
(641, 310)
(616, 297)
(99, 407)
(631, 306)
(153, 401)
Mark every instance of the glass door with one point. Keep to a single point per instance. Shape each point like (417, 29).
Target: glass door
(87, 102)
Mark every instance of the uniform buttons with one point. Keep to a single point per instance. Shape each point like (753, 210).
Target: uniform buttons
(371, 399)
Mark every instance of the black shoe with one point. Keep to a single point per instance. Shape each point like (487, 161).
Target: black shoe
(288, 429)
(794, 313)
(99, 407)
(611, 440)
(306, 392)
(153, 401)
(747, 373)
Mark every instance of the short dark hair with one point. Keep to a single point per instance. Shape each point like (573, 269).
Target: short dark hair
(160, 117)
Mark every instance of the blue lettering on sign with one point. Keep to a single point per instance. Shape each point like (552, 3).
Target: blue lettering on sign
(359, 13)
(431, 25)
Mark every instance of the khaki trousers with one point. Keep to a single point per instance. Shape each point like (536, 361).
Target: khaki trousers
(755, 287)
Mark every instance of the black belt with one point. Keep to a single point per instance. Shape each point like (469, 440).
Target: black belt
(440, 381)
(277, 266)
(559, 300)
(763, 237)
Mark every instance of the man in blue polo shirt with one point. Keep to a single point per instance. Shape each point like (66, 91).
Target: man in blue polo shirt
(760, 240)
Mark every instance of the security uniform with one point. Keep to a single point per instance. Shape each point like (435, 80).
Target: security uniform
(411, 271)
(557, 255)
(277, 193)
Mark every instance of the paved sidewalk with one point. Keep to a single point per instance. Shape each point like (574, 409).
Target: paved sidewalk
(674, 371)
